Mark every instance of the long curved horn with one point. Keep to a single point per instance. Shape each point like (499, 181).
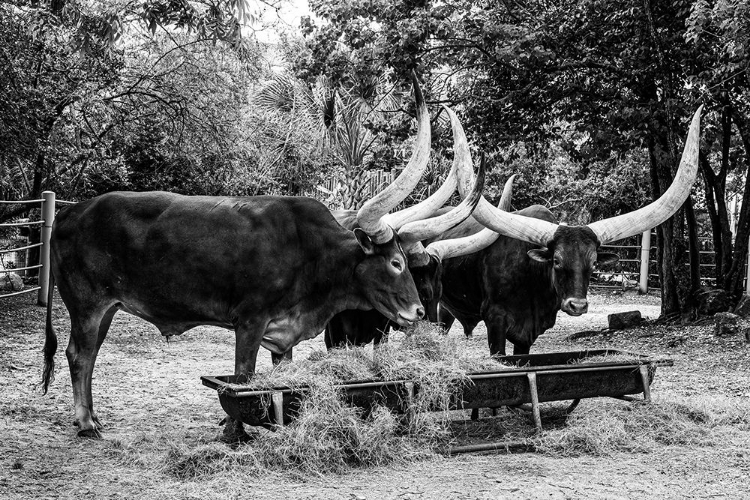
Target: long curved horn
(653, 214)
(523, 228)
(413, 233)
(456, 247)
(426, 207)
(370, 216)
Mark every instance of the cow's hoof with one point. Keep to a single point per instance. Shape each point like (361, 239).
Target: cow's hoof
(90, 433)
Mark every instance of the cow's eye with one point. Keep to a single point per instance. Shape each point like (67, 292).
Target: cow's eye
(396, 263)
(558, 263)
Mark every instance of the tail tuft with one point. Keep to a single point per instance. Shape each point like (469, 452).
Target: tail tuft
(50, 341)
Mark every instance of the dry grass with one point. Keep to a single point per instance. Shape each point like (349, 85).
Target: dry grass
(425, 354)
(329, 436)
(611, 357)
(604, 427)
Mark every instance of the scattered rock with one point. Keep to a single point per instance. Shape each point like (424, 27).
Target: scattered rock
(726, 324)
(743, 307)
(713, 300)
(624, 320)
(10, 282)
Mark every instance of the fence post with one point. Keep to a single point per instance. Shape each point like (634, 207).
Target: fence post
(645, 253)
(48, 216)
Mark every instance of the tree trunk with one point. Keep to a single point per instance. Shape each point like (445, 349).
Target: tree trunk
(721, 185)
(709, 180)
(677, 279)
(734, 278)
(718, 213)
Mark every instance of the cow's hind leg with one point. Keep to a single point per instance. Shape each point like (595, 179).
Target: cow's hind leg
(87, 333)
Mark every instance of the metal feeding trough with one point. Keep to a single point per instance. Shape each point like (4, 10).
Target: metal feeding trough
(530, 379)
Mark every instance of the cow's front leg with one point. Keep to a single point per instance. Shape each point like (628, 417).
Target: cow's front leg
(445, 318)
(247, 343)
(497, 328)
(519, 349)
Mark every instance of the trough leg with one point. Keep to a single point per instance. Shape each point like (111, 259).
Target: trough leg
(277, 399)
(535, 401)
(411, 411)
(646, 386)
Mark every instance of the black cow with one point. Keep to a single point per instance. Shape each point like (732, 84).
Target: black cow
(517, 287)
(508, 289)
(355, 327)
(273, 269)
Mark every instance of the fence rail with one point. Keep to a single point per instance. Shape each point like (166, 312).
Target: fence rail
(47, 206)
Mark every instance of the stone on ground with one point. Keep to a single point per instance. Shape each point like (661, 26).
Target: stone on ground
(726, 324)
(624, 320)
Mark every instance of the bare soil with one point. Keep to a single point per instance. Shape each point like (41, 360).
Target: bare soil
(149, 396)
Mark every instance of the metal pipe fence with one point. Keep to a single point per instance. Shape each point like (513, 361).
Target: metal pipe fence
(636, 267)
(11, 249)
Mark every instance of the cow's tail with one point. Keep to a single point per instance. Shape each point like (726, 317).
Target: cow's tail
(50, 340)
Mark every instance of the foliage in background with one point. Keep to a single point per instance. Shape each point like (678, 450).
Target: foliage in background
(587, 99)
(123, 95)
(625, 77)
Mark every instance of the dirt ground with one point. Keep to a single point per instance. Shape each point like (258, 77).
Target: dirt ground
(149, 397)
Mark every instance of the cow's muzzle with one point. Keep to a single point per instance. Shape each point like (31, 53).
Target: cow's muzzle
(410, 317)
(575, 307)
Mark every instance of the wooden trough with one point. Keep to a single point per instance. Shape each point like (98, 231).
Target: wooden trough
(530, 379)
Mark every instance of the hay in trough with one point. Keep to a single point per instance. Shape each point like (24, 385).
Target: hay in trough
(611, 357)
(327, 434)
(438, 365)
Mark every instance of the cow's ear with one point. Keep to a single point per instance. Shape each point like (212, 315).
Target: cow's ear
(543, 255)
(364, 241)
(606, 258)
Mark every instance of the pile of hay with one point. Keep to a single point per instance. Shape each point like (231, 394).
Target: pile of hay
(424, 355)
(603, 427)
(328, 435)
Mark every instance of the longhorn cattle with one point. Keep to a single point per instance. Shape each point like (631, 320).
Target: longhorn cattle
(517, 287)
(273, 269)
(356, 327)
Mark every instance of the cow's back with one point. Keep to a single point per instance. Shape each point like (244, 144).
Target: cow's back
(180, 261)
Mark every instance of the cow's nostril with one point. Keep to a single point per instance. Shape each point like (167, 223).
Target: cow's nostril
(420, 312)
(579, 305)
(575, 306)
